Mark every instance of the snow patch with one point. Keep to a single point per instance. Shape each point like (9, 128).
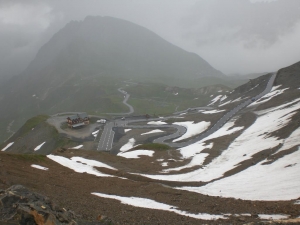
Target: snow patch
(212, 111)
(39, 167)
(80, 167)
(213, 101)
(7, 146)
(95, 133)
(135, 154)
(93, 163)
(151, 204)
(153, 131)
(225, 103)
(39, 146)
(237, 100)
(273, 93)
(273, 217)
(128, 145)
(192, 129)
(126, 130)
(77, 147)
(223, 98)
(156, 122)
(197, 160)
(194, 149)
(164, 164)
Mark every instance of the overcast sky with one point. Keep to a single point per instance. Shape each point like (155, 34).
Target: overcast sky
(234, 36)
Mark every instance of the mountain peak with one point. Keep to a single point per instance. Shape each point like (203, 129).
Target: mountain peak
(107, 45)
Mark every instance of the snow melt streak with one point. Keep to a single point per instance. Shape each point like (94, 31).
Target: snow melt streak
(39, 146)
(151, 204)
(153, 131)
(39, 167)
(7, 146)
(136, 154)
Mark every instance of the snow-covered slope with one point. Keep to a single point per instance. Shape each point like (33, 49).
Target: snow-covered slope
(261, 163)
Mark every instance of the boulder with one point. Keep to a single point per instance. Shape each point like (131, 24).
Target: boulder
(18, 205)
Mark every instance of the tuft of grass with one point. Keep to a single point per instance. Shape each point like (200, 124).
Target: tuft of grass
(31, 123)
(153, 146)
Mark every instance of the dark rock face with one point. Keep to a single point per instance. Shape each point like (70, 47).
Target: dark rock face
(18, 205)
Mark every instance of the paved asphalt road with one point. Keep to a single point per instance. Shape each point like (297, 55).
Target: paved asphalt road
(127, 96)
(106, 139)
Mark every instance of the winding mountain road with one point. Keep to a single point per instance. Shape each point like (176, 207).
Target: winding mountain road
(221, 121)
(127, 96)
(106, 139)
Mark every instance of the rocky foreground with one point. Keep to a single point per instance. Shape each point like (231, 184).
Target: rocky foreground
(21, 206)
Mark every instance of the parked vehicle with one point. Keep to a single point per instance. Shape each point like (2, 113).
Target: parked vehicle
(101, 121)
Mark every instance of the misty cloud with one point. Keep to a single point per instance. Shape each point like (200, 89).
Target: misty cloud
(232, 35)
(22, 25)
(256, 24)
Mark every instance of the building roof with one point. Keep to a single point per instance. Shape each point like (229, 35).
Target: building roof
(83, 115)
(79, 116)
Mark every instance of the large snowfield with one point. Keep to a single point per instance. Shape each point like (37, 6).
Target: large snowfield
(278, 180)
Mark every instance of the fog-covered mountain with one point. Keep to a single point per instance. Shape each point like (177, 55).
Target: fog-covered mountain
(80, 66)
(115, 47)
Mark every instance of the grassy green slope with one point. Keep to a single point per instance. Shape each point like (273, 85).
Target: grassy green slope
(34, 132)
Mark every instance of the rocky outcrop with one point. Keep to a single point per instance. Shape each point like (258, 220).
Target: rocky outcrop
(18, 205)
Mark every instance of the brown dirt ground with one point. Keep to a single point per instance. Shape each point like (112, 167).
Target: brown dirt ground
(72, 190)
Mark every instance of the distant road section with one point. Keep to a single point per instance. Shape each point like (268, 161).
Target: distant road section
(131, 109)
(221, 121)
(106, 140)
